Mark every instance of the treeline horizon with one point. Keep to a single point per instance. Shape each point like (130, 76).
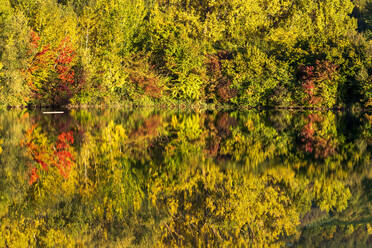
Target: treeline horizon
(309, 53)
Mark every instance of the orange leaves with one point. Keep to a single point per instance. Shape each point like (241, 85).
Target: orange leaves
(50, 73)
(313, 142)
(33, 176)
(220, 84)
(47, 155)
(311, 78)
(41, 54)
(64, 158)
(34, 40)
(65, 56)
(150, 84)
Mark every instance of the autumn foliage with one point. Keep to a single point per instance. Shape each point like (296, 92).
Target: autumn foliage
(150, 85)
(253, 53)
(50, 74)
(314, 143)
(220, 84)
(47, 155)
(315, 79)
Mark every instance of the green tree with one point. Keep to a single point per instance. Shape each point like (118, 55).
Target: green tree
(14, 34)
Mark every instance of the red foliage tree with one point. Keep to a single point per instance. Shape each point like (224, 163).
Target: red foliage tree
(50, 74)
(220, 85)
(311, 76)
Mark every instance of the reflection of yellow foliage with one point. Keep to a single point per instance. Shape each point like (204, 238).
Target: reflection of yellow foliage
(329, 233)
(173, 193)
(331, 195)
(1, 142)
(19, 233)
(369, 117)
(113, 188)
(369, 103)
(244, 209)
(369, 229)
(249, 124)
(188, 126)
(58, 238)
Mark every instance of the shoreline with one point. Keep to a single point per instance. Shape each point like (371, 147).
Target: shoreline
(353, 108)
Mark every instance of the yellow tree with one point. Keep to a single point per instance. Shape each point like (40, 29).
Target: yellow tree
(13, 56)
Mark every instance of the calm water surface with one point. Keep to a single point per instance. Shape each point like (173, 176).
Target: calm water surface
(144, 178)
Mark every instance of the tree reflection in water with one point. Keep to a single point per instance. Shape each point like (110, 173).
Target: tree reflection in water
(145, 178)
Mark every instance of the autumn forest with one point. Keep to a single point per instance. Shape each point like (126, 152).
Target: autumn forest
(186, 123)
(311, 53)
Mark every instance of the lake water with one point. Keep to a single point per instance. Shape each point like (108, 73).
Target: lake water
(144, 178)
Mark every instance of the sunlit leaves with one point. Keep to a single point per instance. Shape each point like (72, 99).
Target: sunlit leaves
(212, 207)
(179, 179)
(13, 56)
(159, 51)
(50, 75)
(109, 31)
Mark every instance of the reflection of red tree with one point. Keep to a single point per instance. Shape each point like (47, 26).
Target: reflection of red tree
(62, 153)
(219, 130)
(33, 176)
(46, 155)
(225, 123)
(148, 128)
(319, 146)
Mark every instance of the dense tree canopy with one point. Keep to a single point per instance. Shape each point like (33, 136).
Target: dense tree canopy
(282, 53)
